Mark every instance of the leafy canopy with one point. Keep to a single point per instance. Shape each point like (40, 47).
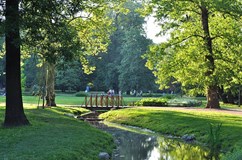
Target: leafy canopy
(183, 56)
(61, 30)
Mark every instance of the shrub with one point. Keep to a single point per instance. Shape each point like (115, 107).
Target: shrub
(184, 102)
(152, 102)
(235, 155)
(214, 141)
(81, 94)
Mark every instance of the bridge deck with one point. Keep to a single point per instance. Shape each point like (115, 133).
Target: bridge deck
(104, 108)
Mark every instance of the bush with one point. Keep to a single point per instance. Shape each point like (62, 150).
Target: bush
(168, 96)
(81, 94)
(152, 102)
(152, 95)
(184, 102)
(235, 155)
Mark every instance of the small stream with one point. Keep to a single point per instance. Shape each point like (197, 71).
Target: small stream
(140, 144)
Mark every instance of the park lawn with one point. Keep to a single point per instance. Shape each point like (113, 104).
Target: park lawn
(52, 135)
(65, 99)
(181, 122)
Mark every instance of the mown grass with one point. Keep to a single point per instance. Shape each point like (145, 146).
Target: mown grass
(67, 99)
(52, 136)
(181, 122)
(55, 136)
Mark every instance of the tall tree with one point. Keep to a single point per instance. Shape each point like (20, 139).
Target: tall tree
(204, 44)
(14, 115)
(123, 67)
(132, 71)
(68, 76)
(65, 30)
(14, 107)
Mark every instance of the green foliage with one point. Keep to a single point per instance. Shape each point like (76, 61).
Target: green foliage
(214, 140)
(184, 102)
(123, 68)
(168, 100)
(63, 30)
(133, 73)
(168, 96)
(184, 57)
(152, 102)
(235, 155)
(23, 81)
(32, 71)
(68, 76)
(81, 94)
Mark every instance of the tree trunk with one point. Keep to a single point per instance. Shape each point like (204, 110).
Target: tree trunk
(212, 89)
(212, 97)
(50, 85)
(14, 115)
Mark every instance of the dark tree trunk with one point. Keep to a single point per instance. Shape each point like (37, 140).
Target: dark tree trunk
(50, 85)
(14, 115)
(212, 93)
(212, 97)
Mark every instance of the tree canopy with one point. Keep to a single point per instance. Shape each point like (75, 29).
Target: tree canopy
(52, 29)
(123, 67)
(203, 52)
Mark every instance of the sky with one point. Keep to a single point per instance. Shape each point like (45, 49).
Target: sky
(152, 29)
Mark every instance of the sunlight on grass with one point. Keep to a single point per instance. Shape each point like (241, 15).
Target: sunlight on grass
(181, 121)
(52, 135)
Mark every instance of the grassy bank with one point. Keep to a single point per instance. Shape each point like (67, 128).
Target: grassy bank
(181, 122)
(52, 135)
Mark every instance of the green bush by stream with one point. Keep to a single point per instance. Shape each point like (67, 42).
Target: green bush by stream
(152, 102)
(178, 102)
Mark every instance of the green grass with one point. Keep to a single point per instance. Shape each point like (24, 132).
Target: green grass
(55, 136)
(52, 135)
(67, 99)
(181, 122)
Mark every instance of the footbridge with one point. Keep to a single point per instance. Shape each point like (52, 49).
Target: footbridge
(103, 102)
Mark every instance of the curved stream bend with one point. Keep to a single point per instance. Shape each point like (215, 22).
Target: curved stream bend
(140, 144)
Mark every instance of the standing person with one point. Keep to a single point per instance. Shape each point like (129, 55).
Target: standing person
(120, 93)
(112, 92)
(140, 93)
(109, 92)
(87, 89)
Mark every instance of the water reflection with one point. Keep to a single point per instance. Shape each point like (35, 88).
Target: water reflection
(136, 144)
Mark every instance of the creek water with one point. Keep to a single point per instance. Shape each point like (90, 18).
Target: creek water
(140, 144)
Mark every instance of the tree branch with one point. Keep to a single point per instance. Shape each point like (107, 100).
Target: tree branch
(184, 39)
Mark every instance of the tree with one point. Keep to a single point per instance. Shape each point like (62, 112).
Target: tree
(68, 76)
(204, 44)
(14, 115)
(132, 71)
(123, 67)
(32, 71)
(14, 107)
(65, 30)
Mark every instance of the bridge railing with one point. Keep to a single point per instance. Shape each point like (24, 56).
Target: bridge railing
(103, 100)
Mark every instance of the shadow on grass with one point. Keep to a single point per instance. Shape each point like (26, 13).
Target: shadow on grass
(52, 135)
